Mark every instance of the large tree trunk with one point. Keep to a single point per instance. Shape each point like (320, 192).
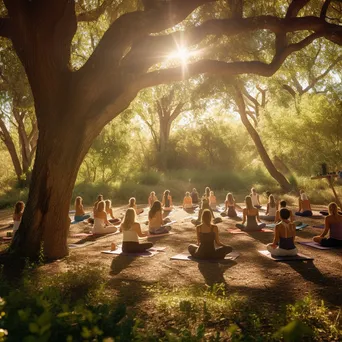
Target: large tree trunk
(59, 154)
(279, 177)
(164, 135)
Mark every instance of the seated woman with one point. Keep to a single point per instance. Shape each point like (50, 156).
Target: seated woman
(194, 196)
(207, 238)
(17, 215)
(270, 210)
(132, 203)
(251, 215)
(155, 220)
(99, 198)
(167, 201)
(304, 205)
(131, 231)
(282, 205)
(187, 201)
(229, 206)
(101, 224)
(207, 192)
(333, 226)
(204, 206)
(80, 214)
(152, 198)
(284, 236)
(109, 211)
(212, 200)
(255, 198)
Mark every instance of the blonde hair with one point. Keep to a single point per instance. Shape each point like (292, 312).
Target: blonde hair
(108, 204)
(132, 202)
(333, 209)
(78, 200)
(100, 206)
(187, 194)
(230, 198)
(206, 217)
(211, 193)
(271, 201)
(129, 219)
(152, 193)
(249, 204)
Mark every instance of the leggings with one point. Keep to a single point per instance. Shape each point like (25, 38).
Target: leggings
(135, 247)
(281, 251)
(160, 230)
(304, 213)
(219, 252)
(254, 228)
(331, 242)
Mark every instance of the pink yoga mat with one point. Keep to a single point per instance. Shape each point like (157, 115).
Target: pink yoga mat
(91, 234)
(236, 231)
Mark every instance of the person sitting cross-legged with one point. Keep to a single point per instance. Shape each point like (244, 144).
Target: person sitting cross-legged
(155, 220)
(251, 215)
(284, 236)
(207, 240)
(101, 223)
(333, 226)
(131, 231)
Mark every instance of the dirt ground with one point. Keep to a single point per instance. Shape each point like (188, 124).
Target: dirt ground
(251, 274)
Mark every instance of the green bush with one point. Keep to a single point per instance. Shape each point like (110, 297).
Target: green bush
(149, 178)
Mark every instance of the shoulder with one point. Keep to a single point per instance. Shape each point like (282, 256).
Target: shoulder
(214, 227)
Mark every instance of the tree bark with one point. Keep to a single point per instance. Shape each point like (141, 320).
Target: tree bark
(279, 177)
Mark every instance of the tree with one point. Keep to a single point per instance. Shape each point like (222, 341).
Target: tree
(72, 106)
(17, 119)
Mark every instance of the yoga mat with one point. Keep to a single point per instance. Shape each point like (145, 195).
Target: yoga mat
(301, 226)
(266, 230)
(91, 234)
(150, 252)
(7, 238)
(188, 257)
(298, 257)
(158, 235)
(80, 245)
(313, 244)
(235, 231)
(270, 225)
(320, 226)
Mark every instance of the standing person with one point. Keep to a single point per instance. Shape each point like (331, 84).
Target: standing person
(80, 214)
(152, 198)
(284, 236)
(101, 224)
(109, 211)
(333, 226)
(212, 200)
(155, 220)
(251, 215)
(167, 201)
(187, 201)
(271, 210)
(131, 231)
(230, 205)
(304, 205)
(255, 198)
(132, 203)
(282, 204)
(194, 196)
(207, 240)
(17, 215)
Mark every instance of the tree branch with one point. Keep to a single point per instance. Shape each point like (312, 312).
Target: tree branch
(324, 9)
(94, 14)
(295, 7)
(223, 68)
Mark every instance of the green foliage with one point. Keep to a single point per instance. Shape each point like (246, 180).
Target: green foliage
(149, 177)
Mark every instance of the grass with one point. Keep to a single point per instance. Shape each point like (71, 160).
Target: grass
(81, 305)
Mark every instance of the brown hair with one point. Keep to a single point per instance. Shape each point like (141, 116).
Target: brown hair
(19, 207)
(100, 206)
(333, 209)
(156, 206)
(78, 200)
(206, 217)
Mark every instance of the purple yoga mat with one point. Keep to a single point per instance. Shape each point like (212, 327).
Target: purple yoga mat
(150, 252)
(313, 245)
(298, 257)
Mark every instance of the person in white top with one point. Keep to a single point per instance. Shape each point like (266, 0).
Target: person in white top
(18, 213)
(101, 223)
(271, 210)
(255, 199)
(131, 231)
